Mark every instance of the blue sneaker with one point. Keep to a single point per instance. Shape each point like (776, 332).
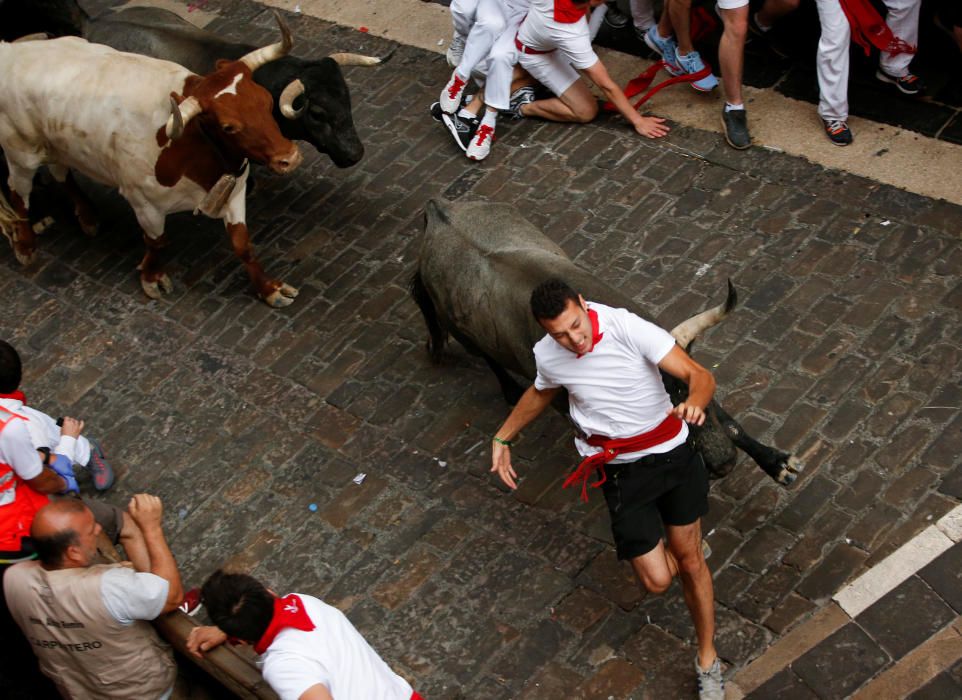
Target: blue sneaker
(666, 48)
(692, 63)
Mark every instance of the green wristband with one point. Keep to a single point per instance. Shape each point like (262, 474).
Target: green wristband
(506, 443)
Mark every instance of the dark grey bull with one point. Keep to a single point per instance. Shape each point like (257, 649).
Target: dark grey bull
(478, 265)
(311, 99)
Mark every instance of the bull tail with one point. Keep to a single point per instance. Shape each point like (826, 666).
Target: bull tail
(437, 336)
(686, 331)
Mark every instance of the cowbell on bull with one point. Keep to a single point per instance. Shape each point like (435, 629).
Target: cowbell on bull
(167, 139)
(478, 264)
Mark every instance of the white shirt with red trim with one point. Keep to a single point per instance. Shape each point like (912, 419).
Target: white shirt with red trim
(333, 654)
(17, 450)
(45, 432)
(616, 389)
(542, 32)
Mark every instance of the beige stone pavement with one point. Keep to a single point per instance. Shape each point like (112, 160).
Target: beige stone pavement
(881, 152)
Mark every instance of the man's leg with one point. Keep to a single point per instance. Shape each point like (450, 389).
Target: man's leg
(576, 104)
(831, 63)
(772, 11)
(903, 20)
(678, 20)
(656, 569)
(684, 542)
(731, 52)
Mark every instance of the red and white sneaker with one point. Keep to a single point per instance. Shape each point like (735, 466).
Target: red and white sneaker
(480, 145)
(191, 603)
(452, 93)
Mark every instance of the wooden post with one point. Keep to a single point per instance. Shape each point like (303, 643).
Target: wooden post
(233, 667)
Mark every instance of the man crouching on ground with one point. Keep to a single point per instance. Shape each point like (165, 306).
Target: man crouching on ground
(309, 650)
(627, 429)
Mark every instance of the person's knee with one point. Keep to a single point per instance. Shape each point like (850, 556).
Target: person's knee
(586, 112)
(736, 24)
(691, 564)
(492, 24)
(656, 584)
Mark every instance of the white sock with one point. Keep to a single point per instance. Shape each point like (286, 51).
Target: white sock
(465, 114)
(729, 107)
(490, 118)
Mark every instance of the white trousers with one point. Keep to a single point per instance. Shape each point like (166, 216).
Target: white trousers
(482, 22)
(832, 60)
(643, 13)
(498, 69)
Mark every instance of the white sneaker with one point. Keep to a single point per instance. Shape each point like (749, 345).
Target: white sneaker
(480, 145)
(452, 93)
(455, 50)
(711, 683)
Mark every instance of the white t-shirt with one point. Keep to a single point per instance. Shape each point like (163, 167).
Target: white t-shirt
(17, 449)
(131, 595)
(45, 432)
(541, 32)
(616, 389)
(334, 654)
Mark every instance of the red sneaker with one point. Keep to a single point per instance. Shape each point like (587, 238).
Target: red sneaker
(191, 603)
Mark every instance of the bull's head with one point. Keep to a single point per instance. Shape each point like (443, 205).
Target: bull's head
(235, 112)
(319, 103)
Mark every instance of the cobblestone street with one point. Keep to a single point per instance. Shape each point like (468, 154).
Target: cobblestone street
(845, 348)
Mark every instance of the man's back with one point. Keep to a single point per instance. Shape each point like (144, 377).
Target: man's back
(79, 643)
(333, 653)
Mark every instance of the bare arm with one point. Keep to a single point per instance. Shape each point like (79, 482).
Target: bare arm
(47, 481)
(147, 511)
(652, 127)
(316, 692)
(530, 406)
(701, 384)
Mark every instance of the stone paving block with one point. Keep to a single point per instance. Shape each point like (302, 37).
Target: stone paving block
(806, 504)
(764, 548)
(553, 682)
(581, 609)
(616, 678)
(944, 576)
(784, 616)
(667, 662)
(838, 566)
(533, 650)
(614, 580)
(784, 684)
(840, 664)
(905, 617)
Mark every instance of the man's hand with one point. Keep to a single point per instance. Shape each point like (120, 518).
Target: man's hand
(689, 412)
(71, 427)
(652, 127)
(203, 639)
(146, 510)
(501, 464)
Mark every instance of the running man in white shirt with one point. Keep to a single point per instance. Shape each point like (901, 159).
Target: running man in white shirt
(554, 44)
(308, 649)
(627, 429)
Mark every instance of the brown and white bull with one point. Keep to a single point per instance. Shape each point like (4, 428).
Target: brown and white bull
(167, 139)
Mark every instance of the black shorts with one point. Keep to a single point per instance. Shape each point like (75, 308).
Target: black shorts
(669, 489)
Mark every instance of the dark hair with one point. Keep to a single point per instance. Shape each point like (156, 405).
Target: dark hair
(51, 548)
(239, 604)
(11, 371)
(550, 298)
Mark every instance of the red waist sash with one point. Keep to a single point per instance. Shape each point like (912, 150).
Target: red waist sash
(612, 447)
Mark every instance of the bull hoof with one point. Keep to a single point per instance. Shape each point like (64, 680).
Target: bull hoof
(789, 471)
(282, 296)
(90, 229)
(23, 257)
(157, 289)
(42, 225)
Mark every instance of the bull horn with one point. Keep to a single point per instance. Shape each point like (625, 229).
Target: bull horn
(258, 57)
(294, 89)
(687, 331)
(354, 59)
(180, 115)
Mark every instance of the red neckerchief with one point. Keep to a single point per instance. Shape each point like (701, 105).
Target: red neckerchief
(869, 29)
(566, 12)
(595, 335)
(16, 395)
(288, 612)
